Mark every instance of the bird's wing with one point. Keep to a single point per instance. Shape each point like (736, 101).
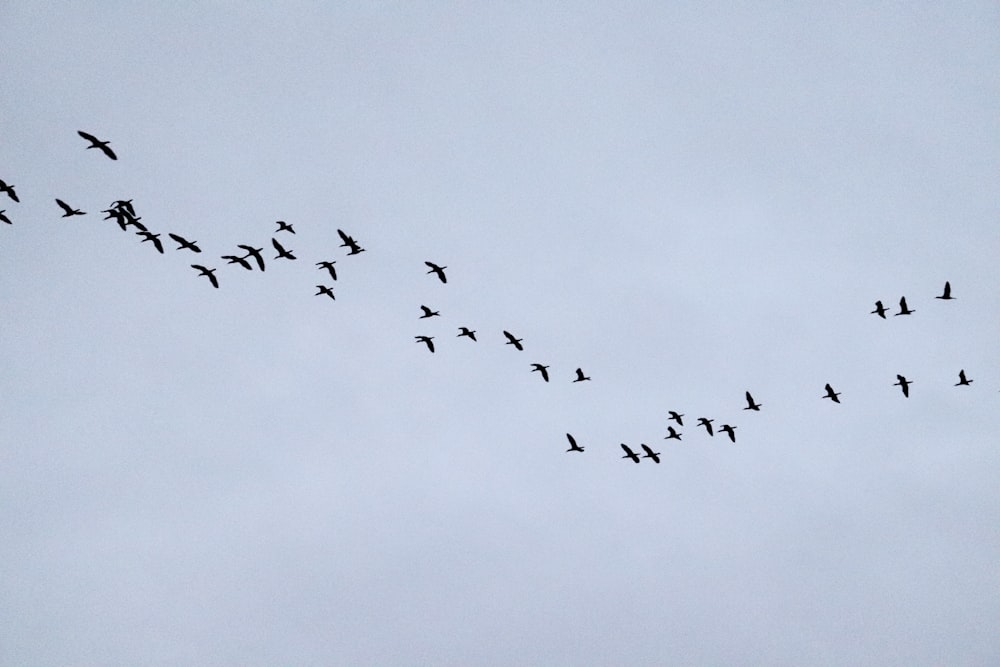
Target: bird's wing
(277, 246)
(627, 449)
(107, 151)
(648, 450)
(64, 206)
(572, 441)
(88, 137)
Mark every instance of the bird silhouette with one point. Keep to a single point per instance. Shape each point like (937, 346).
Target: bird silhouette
(328, 265)
(283, 227)
(465, 331)
(903, 384)
(184, 244)
(323, 289)
(282, 253)
(879, 310)
(209, 273)
(629, 454)
(903, 310)
(962, 381)
(511, 340)
(69, 211)
(676, 417)
(117, 216)
(9, 189)
(349, 242)
(255, 253)
(751, 405)
(150, 236)
(707, 423)
(831, 394)
(124, 205)
(97, 143)
(4, 218)
(672, 434)
(439, 270)
(580, 377)
(729, 430)
(946, 295)
(426, 339)
(544, 370)
(573, 447)
(428, 313)
(650, 454)
(233, 259)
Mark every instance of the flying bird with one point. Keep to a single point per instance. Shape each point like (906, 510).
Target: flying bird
(903, 384)
(323, 289)
(573, 447)
(349, 242)
(255, 253)
(465, 331)
(676, 417)
(4, 217)
(125, 205)
(329, 267)
(439, 270)
(580, 377)
(150, 236)
(209, 273)
(629, 454)
(233, 259)
(426, 339)
(283, 227)
(879, 310)
(650, 454)
(282, 253)
(511, 340)
(428, 313)
(707, 423)
(69, 211)
(726, 428)
(97, 143)
(751, 405)
(184, 244)
(946, 295)
(672, 434)
(9, 189)
(831, 394)
(544, 370)
(117, 216)
(962, 381)
(903, 309)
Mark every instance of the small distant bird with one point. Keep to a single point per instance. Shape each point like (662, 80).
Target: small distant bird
(125, 205)
(672, 434)
(726, 428)
(650, 454)
(68, 211)
(4, 217)
(465, 331)
(573, 447)
(511, 340)
(282, 253)
(428, 313)
(751, 405)
(629, 454)
(903, 310)
(209, 273)
(233, 259)
(544, 370)
(676, 417)
(962, 381)
(946, 295)
(155, 238)
(9, 189)
(580, 377)
(283, 227)
(349, 242)
(831, 394)
(707, 423)
(439, 270)
(903, 384)
(184, 244)
(253, 252)
(329, 267)
(97, 143)
(426, 339)
(879, 310)
(323, 289)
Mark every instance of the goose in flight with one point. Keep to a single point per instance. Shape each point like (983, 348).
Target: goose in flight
(150, 236)
(97, 143)
(69, 211)
(544, 370)
(729, 430)
(209, 273)
(282, 253)
(629, 454)
(184, 244)
(255, 253)
(903, 384)
(650, 454)
(428, 313)
(751, 405)
(676, 417)
(903, 309)
(962, 380)
(573, 447)
(349, 242)
(465, 331)
(879, 310)
(707, 423)
(233, 259)
(580, 377)
(946, 295)
(439, 270)
(329, 267)
(672, 434)
(123, 205)
(283, 227)
(323, 289)
(511, 340)
(831, 394)
(426, 339)
(4, 218)
(9, 189)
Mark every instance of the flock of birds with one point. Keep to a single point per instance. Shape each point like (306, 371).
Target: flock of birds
(124, 214)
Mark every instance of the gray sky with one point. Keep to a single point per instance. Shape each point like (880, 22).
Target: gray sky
(688, 202)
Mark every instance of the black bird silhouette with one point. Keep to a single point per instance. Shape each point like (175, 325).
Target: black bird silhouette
(282, 253)
(329, 267)
(210, 273)
(580, 377)
(511, 340)
(125, 205)
(283, 227)
(97, 143)
(132, 220)
(150, 236)
(465, 331)
(676, 417)
(903, 384)
(903, 310)
(707, 423)
(962, 381)
(4, 217)
(184, 244)
(426, 339)
(349, 242)
(69, 211)
(428, 313)
(233, 259)
(672, 434)
(9, 189)
(544, 370)
(751, 405)
(650, 454)
(255, 253)
(879, 310)
(946, 295)
(323, 289)
(629, 454)
(831, 394)
(726, 428)
(439, 270)
(573, 447)
(117, 216)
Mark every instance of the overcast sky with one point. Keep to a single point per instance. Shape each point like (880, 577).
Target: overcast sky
(687, 201)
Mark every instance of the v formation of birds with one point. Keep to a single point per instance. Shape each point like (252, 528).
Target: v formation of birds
(251, 258)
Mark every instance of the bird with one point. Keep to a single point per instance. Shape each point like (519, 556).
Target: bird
(349, 242)
(97, 143)
(323, 289)
(650, 454)
(184, 244)
(428, 313)
(69, 211)
(726, 428)
(544, 370)
(426, 339)
(4, 217)
(962, 381)
(253, 252)
(751, 405)
(209, 273)
(283, 227)
(831, 394)
(233, 259)
(629, 454)
(707, 423)
(903, 310)
(879, 310)
(439, 270)
(150, 236)
(465, 331)
(573, 447)
(511, 340)
(9, 189)
(672, 434)
(117, 216)
(282, 253)
(676, 417)
(123, 204)
(580, 377)
(329, 267)
(903, 384)
(946, 295)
